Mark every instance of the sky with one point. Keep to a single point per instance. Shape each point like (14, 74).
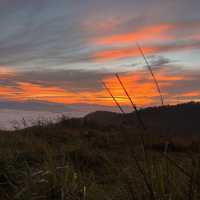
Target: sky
(54, 55)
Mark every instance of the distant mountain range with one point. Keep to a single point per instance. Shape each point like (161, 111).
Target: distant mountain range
(174, 119)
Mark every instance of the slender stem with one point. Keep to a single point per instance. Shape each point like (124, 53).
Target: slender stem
(152, 74)
(142, 172)
(114, 98)
(181, 169)
(141, 123)
(132, 103)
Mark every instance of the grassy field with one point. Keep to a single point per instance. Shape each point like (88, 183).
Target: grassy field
(71, 160)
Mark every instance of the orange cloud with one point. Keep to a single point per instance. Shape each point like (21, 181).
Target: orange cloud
(7, 92)
(140, 92)
(156, 32)
(139, 85)
(122, 45)
(5, 71)
(126, 52)
(120, 53)
(28, 91)
(192, 94)
(142, 88)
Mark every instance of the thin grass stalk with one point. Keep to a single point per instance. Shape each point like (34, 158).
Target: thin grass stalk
(191, 187)
(152, 74)
(142, 172)
(141, 123)
(132, 103)
(181, 169)
(114, 99)
(129, 188)
(192, 182)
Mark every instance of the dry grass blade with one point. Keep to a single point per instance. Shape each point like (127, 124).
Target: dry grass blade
(181, 169)
(132, 103)
(141, 123)
(142, 172)
(114, 98)
(152, 74)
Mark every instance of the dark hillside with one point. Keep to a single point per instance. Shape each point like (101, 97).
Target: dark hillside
(181, 118)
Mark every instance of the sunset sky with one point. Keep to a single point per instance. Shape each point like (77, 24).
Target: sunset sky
(55, 53)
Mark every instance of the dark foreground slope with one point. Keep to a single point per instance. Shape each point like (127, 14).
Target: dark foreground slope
(78, 160)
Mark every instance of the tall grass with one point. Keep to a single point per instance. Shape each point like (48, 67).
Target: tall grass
(61, 162)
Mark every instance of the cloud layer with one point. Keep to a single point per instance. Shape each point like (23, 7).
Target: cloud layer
(59, 52)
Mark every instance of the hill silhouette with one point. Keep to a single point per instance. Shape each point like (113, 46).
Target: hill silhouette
(179, 119)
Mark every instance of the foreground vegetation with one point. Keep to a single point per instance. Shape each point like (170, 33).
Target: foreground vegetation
(73, 160)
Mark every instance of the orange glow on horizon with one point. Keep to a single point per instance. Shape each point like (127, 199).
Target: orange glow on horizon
(139, 85)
